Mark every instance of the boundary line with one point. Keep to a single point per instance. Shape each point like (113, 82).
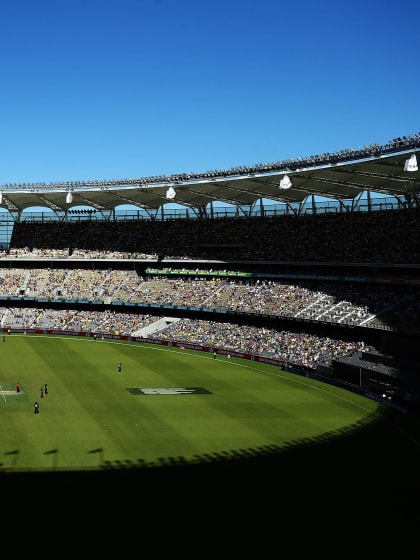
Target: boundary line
(3, 395)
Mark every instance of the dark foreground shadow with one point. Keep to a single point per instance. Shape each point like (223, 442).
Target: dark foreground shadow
(374, 472)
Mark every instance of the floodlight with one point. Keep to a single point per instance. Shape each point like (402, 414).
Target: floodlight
(285, 182)
(411, 164)
(170, 193)
(69, 198)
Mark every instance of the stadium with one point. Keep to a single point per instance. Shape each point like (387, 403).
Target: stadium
(311, 266)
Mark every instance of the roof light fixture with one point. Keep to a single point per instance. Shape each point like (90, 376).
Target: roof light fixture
(411, 164)
(285, 182)
(170, 193)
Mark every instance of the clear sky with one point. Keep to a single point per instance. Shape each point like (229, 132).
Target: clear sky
(111, 89)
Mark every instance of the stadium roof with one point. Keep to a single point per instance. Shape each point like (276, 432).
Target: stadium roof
(340, 176)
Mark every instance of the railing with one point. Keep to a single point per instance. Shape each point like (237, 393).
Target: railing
(266, 209)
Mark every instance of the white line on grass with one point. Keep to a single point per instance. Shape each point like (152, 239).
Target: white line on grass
(4, 396)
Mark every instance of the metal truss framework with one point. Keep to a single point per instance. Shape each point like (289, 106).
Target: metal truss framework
(343, 177)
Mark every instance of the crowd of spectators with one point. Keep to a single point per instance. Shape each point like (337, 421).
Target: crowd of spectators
(387, 306)
(70, 320)
(356, 237)
(303, 349)
(363, 237)
(247, 296)
(306, 350)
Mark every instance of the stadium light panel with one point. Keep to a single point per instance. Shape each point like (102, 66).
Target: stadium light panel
(170, 193)
(411, 164)
(285, 182)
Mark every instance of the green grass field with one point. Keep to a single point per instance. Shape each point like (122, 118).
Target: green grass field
(242, 439)
(94, 417)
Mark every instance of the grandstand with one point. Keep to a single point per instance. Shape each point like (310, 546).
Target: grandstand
(345, 266)
(327, 263)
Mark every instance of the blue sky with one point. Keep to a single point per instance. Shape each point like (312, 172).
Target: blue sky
(107, 89)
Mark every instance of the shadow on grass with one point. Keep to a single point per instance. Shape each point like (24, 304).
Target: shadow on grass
(379, 461)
